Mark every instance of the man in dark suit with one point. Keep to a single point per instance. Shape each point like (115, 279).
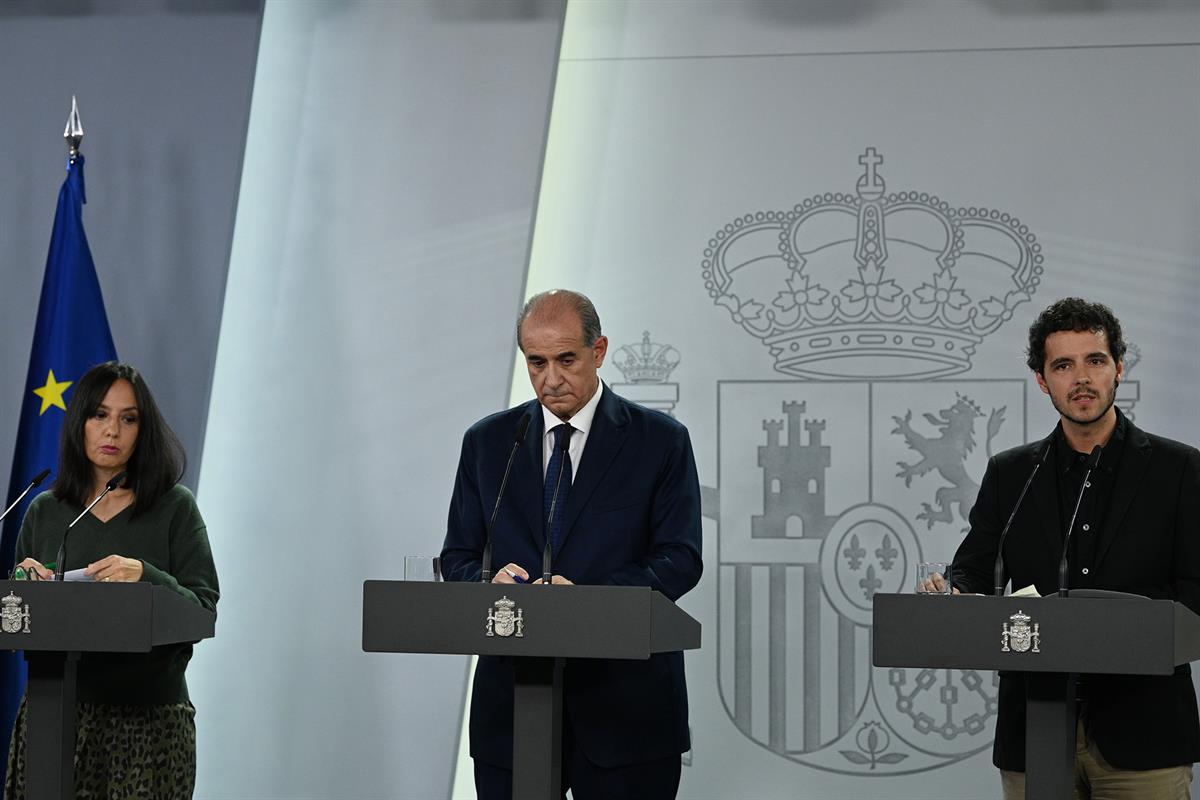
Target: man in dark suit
(631, 518)
(1137, 531)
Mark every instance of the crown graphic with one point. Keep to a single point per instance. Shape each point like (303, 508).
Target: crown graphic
(1020, 618)
(872, 284)
(504, 603)
(11, 600)
(648, 362)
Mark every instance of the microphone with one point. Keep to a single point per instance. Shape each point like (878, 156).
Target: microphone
(998, 573)
(546, 553)
(60, 567)
(33, 484)
(485, 574)
(1092, 460)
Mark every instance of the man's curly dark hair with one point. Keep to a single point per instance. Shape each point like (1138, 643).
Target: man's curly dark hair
(1073, 314)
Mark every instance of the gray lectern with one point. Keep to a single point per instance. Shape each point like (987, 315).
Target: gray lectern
(55, 622)
(539, 626)
(1051, 639)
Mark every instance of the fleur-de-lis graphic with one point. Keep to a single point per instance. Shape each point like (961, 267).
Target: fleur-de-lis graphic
(870, 584)
(855, 553)
(886, 554)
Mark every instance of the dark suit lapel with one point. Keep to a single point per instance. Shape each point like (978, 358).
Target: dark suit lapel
(1130, 474)
(605, 440)
(1044, 496)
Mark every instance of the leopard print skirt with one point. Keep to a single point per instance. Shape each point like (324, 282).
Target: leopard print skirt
(122, 753)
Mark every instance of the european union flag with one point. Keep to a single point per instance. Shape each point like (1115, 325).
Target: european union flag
(71, 336)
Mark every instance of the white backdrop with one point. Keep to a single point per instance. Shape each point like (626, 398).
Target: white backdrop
(377, 264)
(703, 182)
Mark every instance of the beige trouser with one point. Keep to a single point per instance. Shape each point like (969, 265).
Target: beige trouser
(1096, 779)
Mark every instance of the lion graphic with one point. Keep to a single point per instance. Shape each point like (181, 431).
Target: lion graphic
(947, 453)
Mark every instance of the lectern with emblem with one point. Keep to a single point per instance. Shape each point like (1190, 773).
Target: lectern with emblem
(539, 627)
(1052, 639)
(54, 622)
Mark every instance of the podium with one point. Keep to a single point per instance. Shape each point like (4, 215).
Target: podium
(539, 627)
(53, 623)
(1052, 640)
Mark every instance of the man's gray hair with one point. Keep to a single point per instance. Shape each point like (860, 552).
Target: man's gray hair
(564, 298)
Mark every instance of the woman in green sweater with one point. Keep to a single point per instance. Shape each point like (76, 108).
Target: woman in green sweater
(135, 729)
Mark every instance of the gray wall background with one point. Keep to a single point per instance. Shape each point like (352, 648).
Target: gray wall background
(378, 261)
(680, 126)
(164, 95)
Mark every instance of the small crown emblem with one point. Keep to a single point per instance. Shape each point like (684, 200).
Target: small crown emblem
(648, 362)
(872, 284)
(502, 621)
(14, 618)
(1020, 637)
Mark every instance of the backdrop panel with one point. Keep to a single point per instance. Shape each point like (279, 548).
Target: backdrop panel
(378, 259)
(823, 230)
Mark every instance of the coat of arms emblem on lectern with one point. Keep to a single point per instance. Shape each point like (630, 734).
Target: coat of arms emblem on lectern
(14, 618)
(502, 620)
(1020, 637)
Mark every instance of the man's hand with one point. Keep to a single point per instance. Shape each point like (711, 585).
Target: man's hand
(556, 580)
(115, 569)
(934, 585)
(511, 573)
(33, 565)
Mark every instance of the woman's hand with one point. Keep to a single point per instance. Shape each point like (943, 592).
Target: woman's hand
(115, 568)
(33, 565)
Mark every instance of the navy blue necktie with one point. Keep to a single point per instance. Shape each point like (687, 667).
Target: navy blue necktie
(559, 459)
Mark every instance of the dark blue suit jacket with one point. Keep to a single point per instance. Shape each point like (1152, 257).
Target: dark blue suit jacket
(632, 519)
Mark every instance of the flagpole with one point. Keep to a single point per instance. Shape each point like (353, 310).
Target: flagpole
(71, 334)
(74, 131)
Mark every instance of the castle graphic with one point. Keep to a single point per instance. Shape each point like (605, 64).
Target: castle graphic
(793, 479)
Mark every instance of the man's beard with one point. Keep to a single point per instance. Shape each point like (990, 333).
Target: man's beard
(1111, 399)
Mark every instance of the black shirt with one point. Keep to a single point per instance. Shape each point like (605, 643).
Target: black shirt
(1069, 468)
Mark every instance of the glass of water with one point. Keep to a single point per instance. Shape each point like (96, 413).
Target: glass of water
(925, 572)
(422, 568)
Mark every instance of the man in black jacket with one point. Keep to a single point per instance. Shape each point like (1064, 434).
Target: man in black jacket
(1137, 531)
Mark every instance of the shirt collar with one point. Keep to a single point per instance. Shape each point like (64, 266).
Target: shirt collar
(1068, 458)
(582, 421)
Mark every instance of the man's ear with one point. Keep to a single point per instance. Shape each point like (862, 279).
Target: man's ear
(600, 348)
(1041, 382)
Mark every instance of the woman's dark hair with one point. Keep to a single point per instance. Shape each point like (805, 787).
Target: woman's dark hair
(1073, 314)
(158, 459)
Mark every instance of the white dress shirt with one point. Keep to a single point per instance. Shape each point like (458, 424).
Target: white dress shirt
(581, 422)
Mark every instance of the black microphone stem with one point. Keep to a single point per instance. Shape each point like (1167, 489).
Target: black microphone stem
(998, 571)
(485, 574)
(33, 484)
(1093, 460)
(60, 567)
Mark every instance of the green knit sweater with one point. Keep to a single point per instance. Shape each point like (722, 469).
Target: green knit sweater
(172, 543)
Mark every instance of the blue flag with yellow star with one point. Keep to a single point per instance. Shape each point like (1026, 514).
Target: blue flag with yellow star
(70, 337)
